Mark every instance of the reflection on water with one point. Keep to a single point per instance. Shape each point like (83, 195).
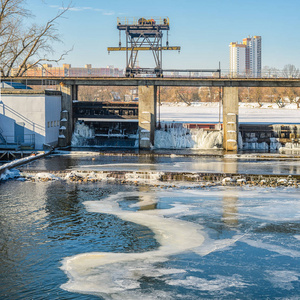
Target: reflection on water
(42, 223)
(148, 201)
(230, 207)
(231, 165)
(92, 161)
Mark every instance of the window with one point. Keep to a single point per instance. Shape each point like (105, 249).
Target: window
(51, 123)
(48, 124)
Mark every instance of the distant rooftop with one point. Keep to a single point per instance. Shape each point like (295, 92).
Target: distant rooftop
(14, 85)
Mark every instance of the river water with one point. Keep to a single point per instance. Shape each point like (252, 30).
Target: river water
(183, 161)
(64, 240)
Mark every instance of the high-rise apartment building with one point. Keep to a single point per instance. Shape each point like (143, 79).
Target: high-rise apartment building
(245, 58)
(237, 59)
(253, 55)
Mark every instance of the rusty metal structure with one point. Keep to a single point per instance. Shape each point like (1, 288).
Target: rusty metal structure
(143, 34)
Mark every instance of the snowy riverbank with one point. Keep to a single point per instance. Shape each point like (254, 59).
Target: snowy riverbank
(248, 113)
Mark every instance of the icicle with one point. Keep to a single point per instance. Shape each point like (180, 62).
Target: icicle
(179, 137)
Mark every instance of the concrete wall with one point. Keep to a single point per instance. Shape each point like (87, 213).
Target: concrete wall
(230, 118)
(52, 119)
(33, 111)
(147, 115)
(68, 95)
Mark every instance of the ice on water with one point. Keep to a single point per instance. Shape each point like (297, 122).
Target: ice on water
(9, 174)
(119, 275)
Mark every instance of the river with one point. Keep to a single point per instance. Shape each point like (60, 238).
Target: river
(64, 240)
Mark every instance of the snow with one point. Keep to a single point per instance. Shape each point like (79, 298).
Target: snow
(248, 113)
(9, 174)
(44, 176)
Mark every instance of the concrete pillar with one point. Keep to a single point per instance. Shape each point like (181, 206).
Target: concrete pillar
(147, 115)
(66, 115)
(230, 118)
(74, 93)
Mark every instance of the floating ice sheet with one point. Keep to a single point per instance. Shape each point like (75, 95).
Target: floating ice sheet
(120, 275)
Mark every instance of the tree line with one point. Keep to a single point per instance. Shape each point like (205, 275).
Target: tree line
(23, 46)
(188, 95)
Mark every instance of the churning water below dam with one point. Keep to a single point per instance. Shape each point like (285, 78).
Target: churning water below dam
(107, 240)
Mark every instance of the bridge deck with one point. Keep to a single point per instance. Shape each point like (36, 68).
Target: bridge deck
(167, 81)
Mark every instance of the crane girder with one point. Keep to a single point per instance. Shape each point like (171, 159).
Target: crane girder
(142, 48)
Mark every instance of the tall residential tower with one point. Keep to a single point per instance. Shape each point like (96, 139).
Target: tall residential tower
(245, 58)
(237, 59)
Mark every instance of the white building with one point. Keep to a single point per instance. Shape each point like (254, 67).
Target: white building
(30, 118)
(245, 58)
(253, 55)
(237, 59)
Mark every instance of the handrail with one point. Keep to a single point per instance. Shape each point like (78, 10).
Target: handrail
(5, 106)
(28, 139)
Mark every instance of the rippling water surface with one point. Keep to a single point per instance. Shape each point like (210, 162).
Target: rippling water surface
(62, 240)
(176, 163)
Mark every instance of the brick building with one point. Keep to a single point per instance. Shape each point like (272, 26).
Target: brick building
(47, 70)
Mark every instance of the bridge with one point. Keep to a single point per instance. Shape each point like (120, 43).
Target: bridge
(148, 98)
(167, 81)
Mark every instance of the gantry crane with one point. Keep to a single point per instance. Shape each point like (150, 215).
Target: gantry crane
(143, 34)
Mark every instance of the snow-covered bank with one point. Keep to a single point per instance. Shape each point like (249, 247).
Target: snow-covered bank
(241, 105)
(248, 113)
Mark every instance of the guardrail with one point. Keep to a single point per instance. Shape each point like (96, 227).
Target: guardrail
(49, 82)
(28, 140)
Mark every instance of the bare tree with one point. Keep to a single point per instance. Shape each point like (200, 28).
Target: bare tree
(290, 71)
(258, 95)
(293, 95)
(24, 47)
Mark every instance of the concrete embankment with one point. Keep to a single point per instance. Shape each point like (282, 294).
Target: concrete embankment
(165, 178)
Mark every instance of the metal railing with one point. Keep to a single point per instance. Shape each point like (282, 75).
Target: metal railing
(22, 117)
(262, 74)
(27, 140)
(184, 73)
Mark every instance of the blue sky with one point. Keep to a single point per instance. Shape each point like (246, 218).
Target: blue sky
(203, 29)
